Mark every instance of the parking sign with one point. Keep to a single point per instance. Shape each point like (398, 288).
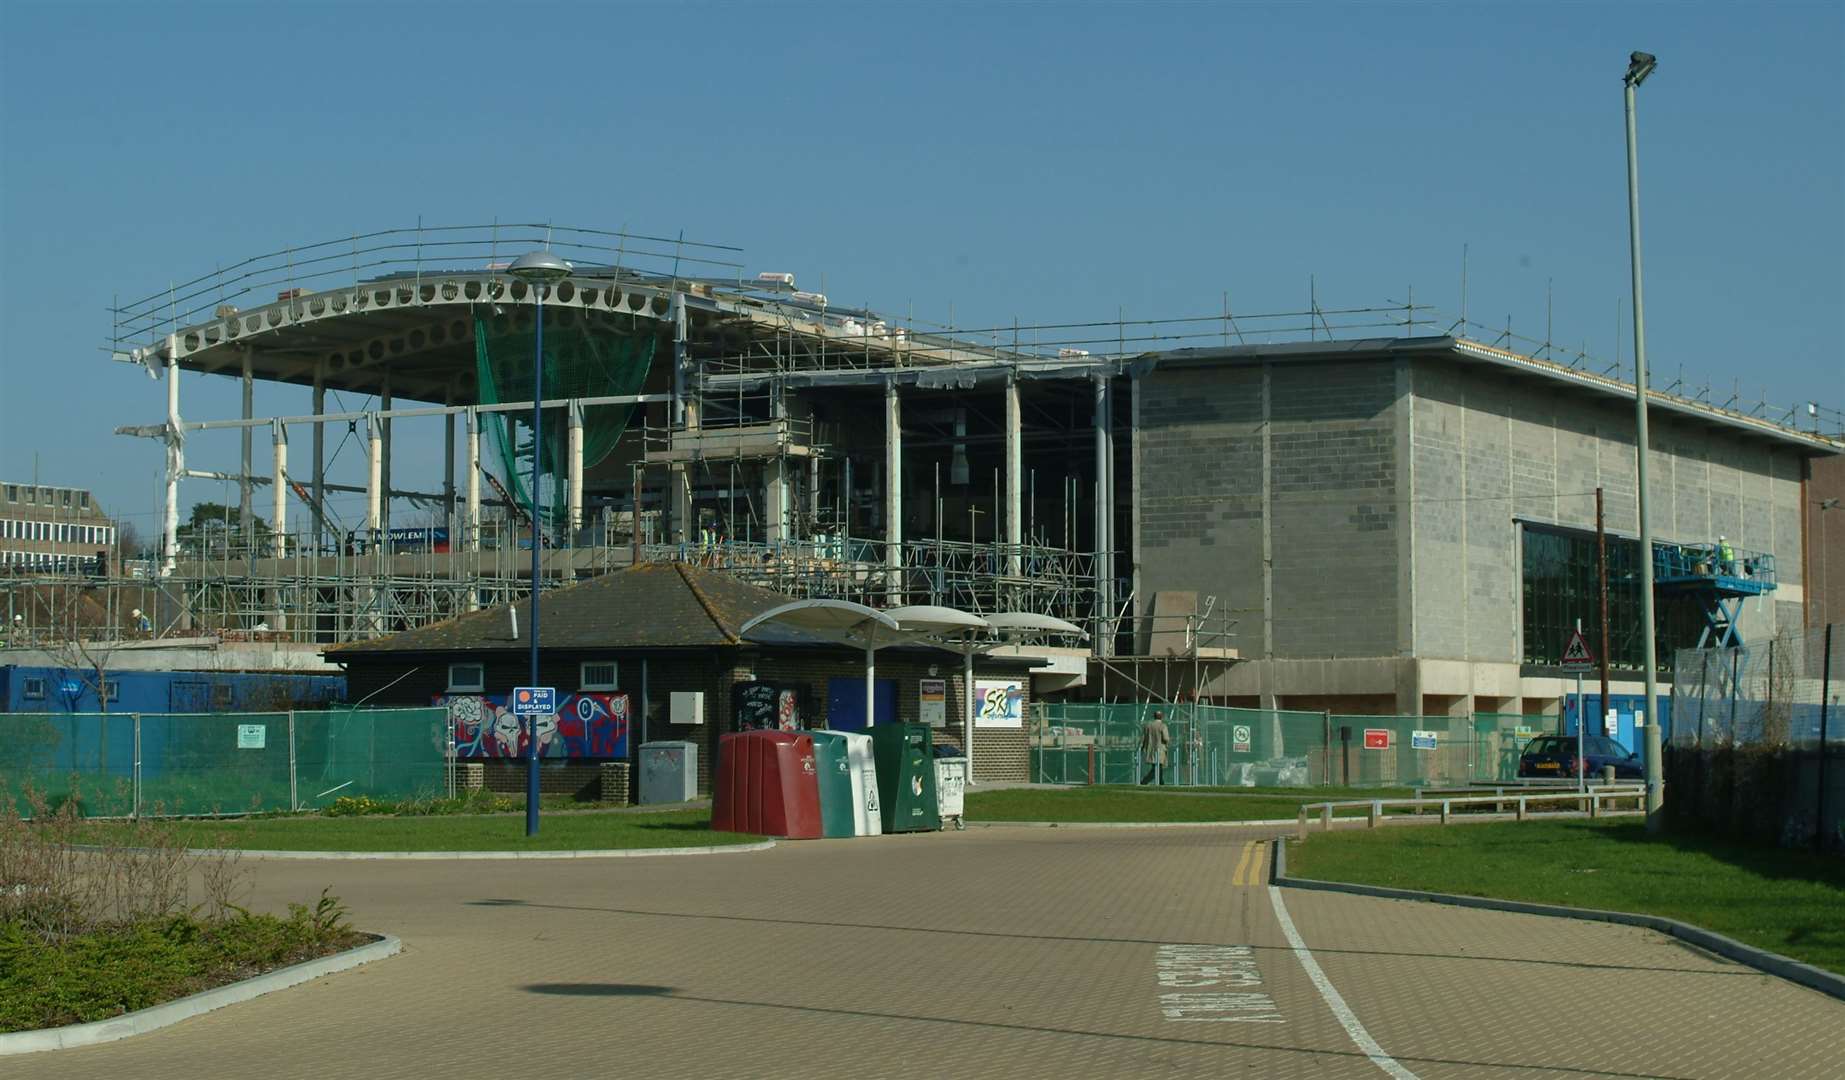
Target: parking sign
(534, 700)
(1239, 739)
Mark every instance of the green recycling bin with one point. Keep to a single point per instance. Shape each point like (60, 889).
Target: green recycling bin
(906, 777)
(834, 771)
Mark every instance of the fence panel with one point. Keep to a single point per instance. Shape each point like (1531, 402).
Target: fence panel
(213, 763)
(58, 757)
(383, 753)
(185, 764)
(1080, 743)
(1755, 745)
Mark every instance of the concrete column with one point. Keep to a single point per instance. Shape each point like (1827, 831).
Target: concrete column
(246, 516)
(1103, 498)
(448, 466)
(384, 405)
(1015, 481)
(471, 527)
(320, 454)
(813, 493)
(374, 477)
(279, 482)
(176, 463)
(893, 490)
(679, 496)
(573, 492)
(775, 498)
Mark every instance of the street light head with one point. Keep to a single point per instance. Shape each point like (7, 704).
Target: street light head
(1639, 66)
(539, 268)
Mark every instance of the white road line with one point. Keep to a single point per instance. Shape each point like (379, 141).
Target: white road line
(1340, 1009)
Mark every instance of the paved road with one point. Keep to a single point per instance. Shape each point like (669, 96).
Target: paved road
(993, 953)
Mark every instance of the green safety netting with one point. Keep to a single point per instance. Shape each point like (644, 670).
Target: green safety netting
(584, 357)
(220, 763)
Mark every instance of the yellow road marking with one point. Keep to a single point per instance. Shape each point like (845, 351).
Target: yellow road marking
(1242, 863)
(1255, 866)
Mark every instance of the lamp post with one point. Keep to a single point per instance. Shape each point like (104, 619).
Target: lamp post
(539, 269)
(1639, 66)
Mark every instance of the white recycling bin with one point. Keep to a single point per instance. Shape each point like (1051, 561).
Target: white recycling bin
(866, 818)
(951, 789)
(669, 772)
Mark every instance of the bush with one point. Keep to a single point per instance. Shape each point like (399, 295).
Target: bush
(96, 923)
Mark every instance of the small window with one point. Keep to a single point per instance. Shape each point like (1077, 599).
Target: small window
(466, 678)
(221, 696)
(12, 493)
(112, 690)
(31, 496)
(32, 688)
(85, 500)
(597, 675)
(66, 499)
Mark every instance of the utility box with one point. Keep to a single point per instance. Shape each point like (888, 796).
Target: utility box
(688, 707)
(833, 769)
(669, 772)
(906, 777)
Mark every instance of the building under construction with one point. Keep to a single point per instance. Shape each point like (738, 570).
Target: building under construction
(1370, 511)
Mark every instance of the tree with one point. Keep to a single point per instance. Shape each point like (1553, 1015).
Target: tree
(215, 526)
(128, 539)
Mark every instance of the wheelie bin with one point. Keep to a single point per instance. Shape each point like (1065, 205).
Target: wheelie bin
(906, 777)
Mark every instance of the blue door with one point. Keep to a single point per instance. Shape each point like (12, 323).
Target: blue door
(845, 703)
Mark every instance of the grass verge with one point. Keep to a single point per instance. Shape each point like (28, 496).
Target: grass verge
(1788, 902)
(1127, 804)
(495, 832)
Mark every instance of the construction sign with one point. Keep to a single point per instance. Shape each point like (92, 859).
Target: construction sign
(1576, 654)
(1377, 738)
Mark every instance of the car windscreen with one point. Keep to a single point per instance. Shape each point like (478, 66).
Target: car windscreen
(1603, 746)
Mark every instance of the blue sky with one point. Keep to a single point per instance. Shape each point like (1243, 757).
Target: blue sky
(1047, 162)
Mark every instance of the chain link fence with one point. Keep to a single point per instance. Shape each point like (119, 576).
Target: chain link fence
(187, 764)
(1088, 743)
(1755, 743)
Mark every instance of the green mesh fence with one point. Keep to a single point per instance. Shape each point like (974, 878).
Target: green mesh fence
(583, 358)
(220, 763)
(1086, 743)
(58, 757)
(383, 753)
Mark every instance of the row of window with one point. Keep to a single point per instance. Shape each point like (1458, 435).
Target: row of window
(36, 688)
(56, 532)
(45, 496)
(47, 560)
(1561, 586)
(591, 675)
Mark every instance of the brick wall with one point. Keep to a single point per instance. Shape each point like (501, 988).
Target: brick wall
(999, 753)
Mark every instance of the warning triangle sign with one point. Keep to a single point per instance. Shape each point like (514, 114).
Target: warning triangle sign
(1576, 653)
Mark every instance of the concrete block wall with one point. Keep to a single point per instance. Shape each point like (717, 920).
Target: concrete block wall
(1488, 449)
(1274, 488)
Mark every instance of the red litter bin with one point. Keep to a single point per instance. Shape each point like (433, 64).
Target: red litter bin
(767, 785)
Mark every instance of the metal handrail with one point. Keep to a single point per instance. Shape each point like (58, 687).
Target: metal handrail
(1374, 808)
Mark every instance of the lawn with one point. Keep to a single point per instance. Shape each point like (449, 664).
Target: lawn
(1789, 902)
(456, 832)
(1088, 804)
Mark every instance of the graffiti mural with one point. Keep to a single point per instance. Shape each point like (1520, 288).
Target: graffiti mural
(586, 725)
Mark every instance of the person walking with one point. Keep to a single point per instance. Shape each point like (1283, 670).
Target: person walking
(1154, 739)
